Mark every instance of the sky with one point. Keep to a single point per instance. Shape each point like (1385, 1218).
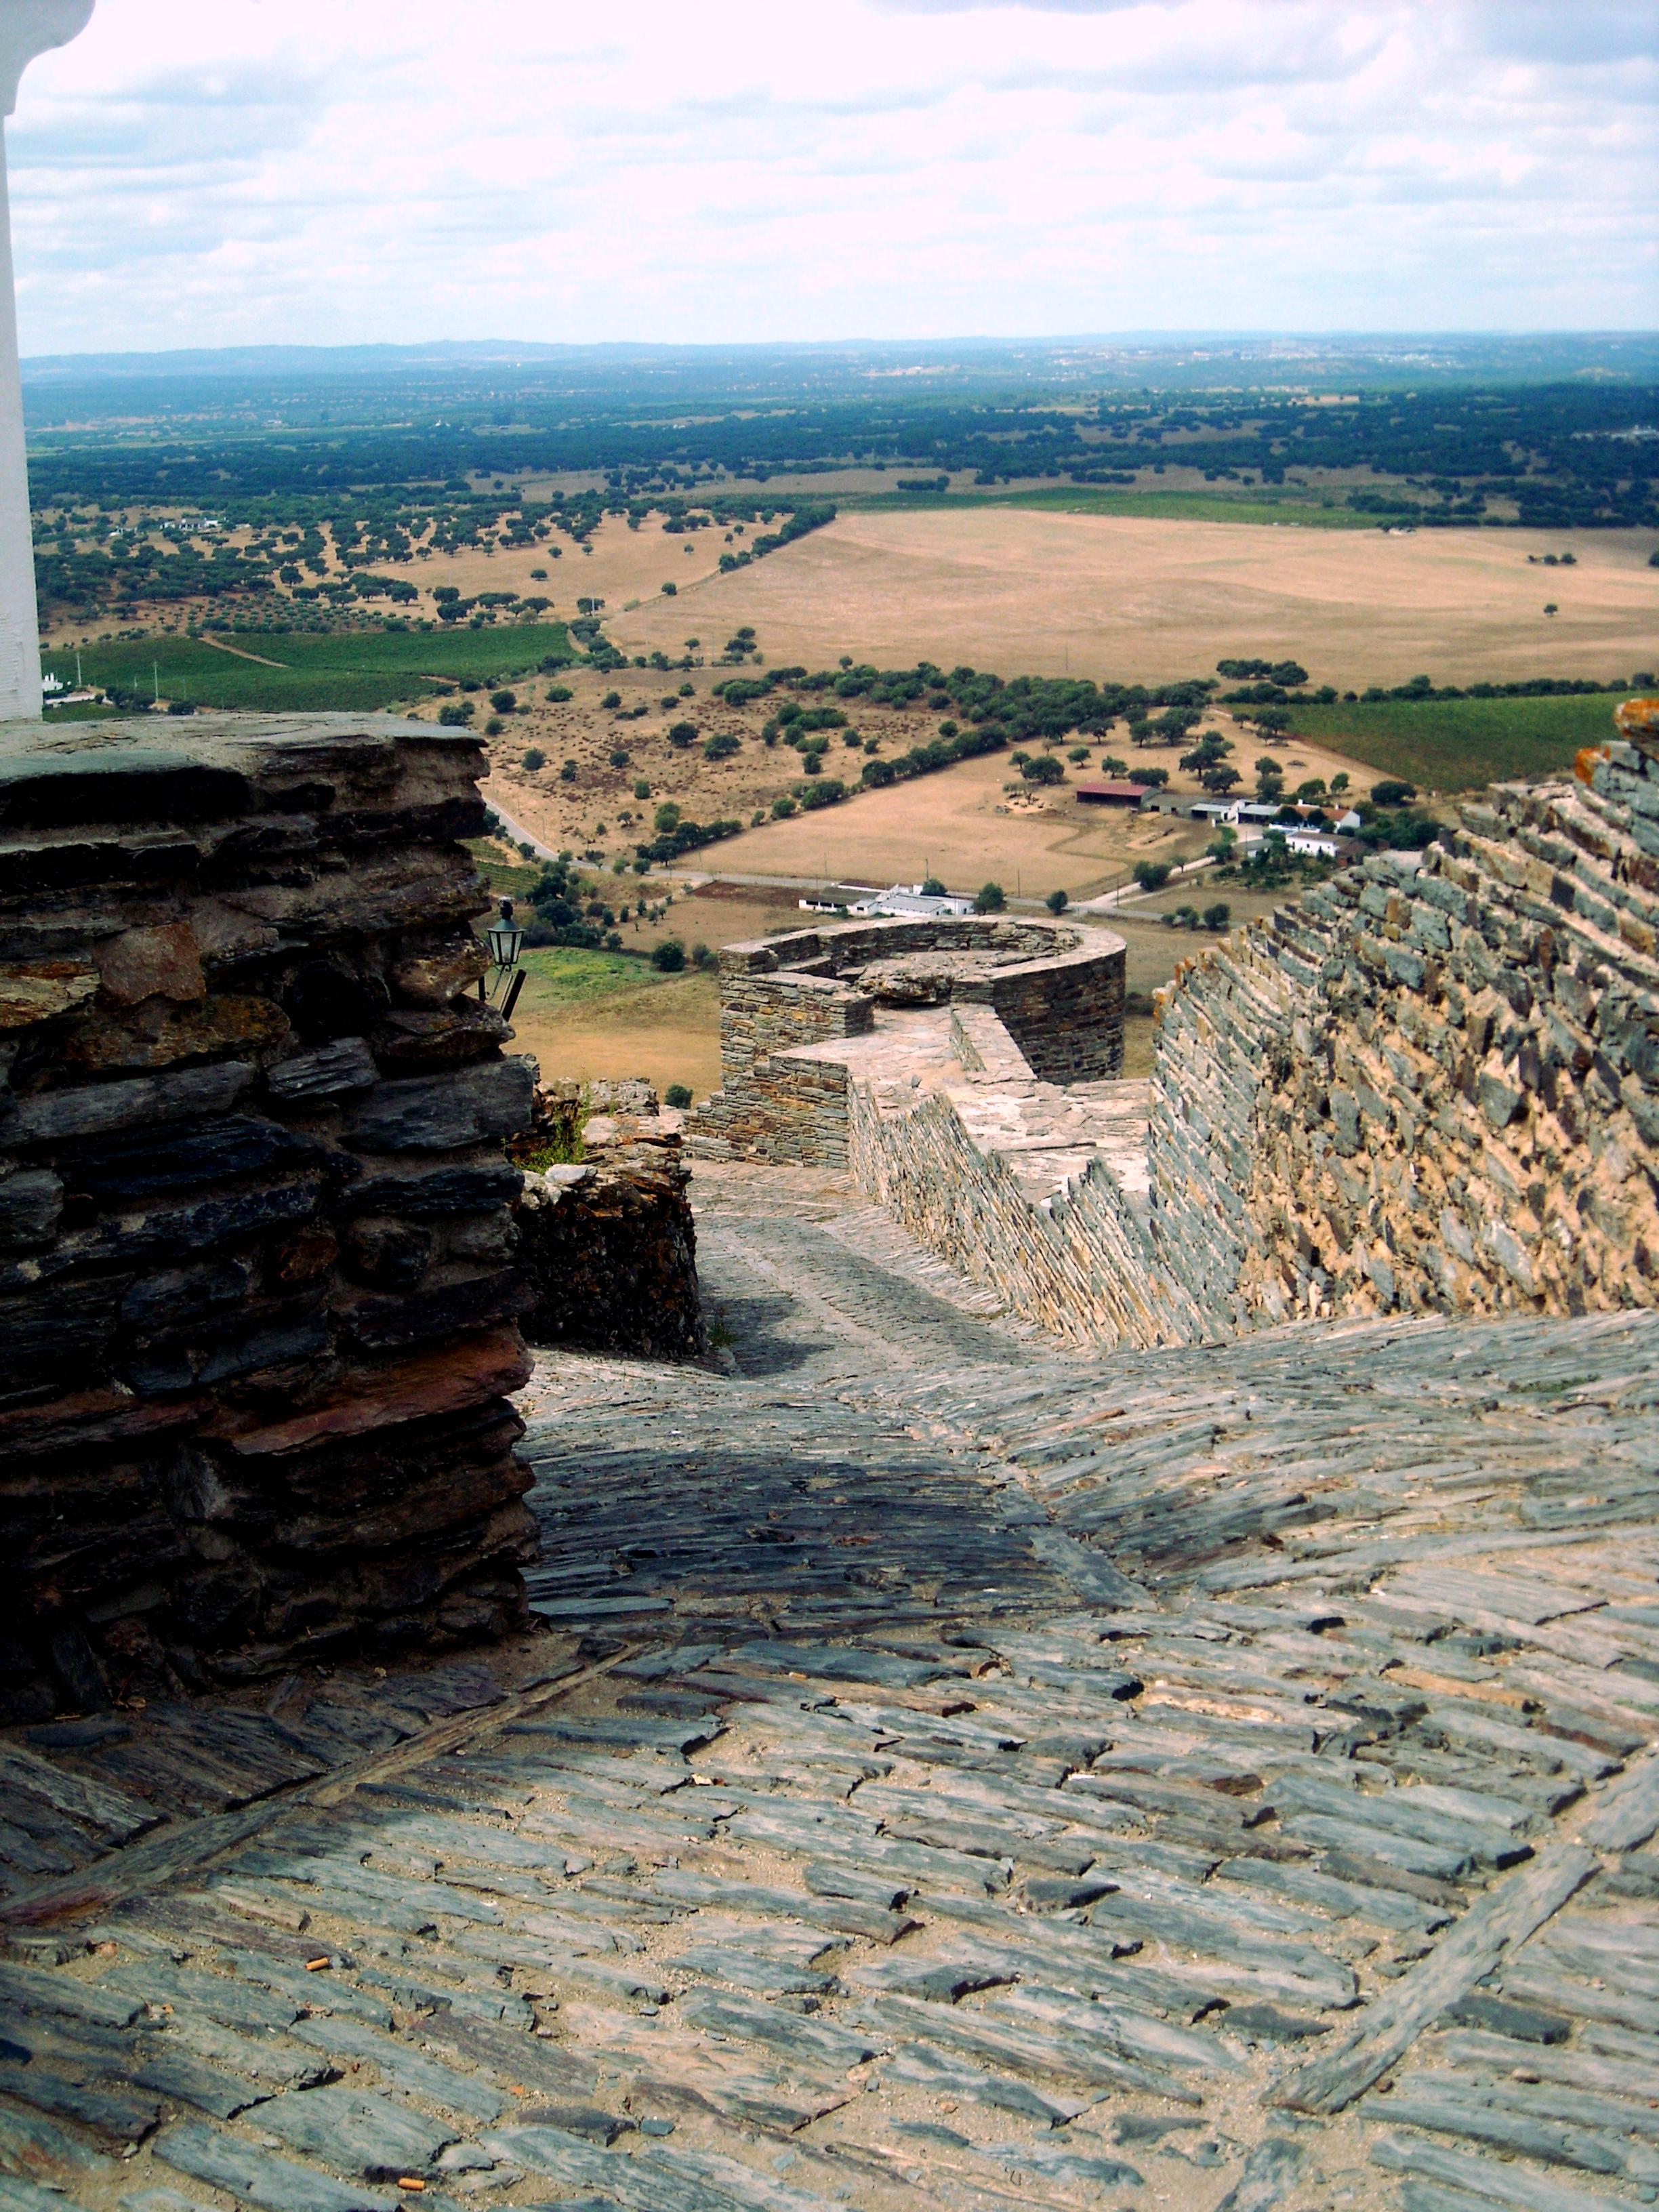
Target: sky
(209, 172)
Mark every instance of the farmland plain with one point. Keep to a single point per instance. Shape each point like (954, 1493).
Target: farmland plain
(1053, 593)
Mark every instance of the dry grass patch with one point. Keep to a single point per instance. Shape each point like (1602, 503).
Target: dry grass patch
(1146, 601)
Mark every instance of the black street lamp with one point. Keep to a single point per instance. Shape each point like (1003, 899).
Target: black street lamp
(506, 942)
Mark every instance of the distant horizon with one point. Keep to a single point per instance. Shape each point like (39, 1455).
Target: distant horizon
(1164, 337)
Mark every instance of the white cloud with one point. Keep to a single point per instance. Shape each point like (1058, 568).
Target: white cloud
(239, 171)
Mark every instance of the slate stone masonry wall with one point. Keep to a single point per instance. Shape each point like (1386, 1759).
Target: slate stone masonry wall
(1075, 1264)
(257, 1284)
(1057, 993)
(1432, 1090)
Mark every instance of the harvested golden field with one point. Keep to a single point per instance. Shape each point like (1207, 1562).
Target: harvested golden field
(1040, 593)
(585, 1015)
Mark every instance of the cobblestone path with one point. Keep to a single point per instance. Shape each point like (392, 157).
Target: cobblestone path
(959, 1775)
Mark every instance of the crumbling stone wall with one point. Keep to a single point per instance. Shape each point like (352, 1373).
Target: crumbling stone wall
(258, 1283)
(1434, 1090)
(607, 1241)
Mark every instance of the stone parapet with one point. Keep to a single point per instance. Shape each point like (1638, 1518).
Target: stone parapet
(1075, 1260)
(790, 1109)
(257, 1284)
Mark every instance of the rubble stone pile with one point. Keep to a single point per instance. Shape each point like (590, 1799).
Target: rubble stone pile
(608, 1241)
(257, 1284)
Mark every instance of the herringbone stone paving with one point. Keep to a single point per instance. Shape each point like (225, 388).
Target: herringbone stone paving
(955, 1773)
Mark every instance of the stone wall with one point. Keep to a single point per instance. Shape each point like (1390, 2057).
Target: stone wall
(1431, 1089)
(763, 1012)
(607, 1242)
(1057, 993)
(257, 1285)
(1076, 1262)
(1431, 1086)
(790, 1108)
(1065, 1015)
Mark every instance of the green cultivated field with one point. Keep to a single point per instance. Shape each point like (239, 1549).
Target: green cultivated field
(559, 979)
(1460, 744)
(506, 878)
(351, 671)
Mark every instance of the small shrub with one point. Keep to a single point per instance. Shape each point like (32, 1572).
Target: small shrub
(701, 957)
(682, 734)
(1078, 755)
(642, 788)
(992, 899)
(1046, 769)
(1391, 791)
(1152, 875)
(782, 809)
(456, 715)
(667, 818)
(1057, 903)
(494, 726)
(668, 958)
(534, 758)
(678, 1095)
(721, 747)
(1219, 916)
(612, 699)
(934, 889)
(504, 702)
(568, 772)
(559, 693)
(672, 591)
